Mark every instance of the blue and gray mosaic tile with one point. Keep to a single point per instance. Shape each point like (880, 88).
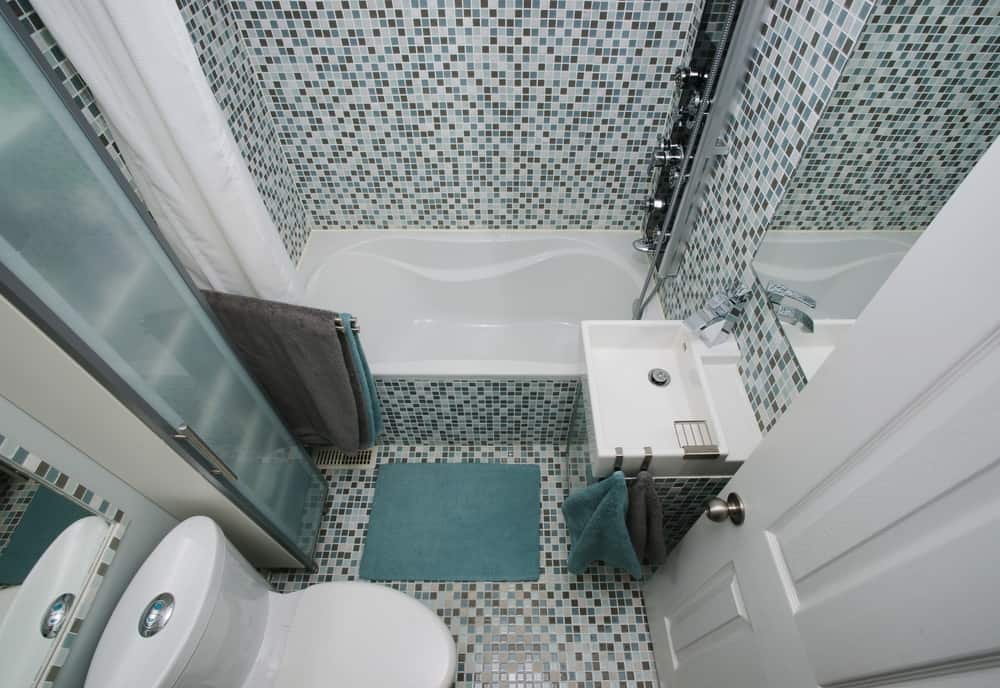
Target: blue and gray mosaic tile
(915, 108)
(476, 410)
(16, 493)
(484, 114)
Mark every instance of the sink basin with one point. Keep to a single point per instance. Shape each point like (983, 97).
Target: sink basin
(812, 348)
(628, 413)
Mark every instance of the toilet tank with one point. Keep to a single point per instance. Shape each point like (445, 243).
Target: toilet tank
(194, 614)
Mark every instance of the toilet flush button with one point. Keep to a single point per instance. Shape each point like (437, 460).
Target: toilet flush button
(156, 615)
(56, 615)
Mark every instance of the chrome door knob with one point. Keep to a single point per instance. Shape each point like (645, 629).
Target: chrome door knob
(732, 508)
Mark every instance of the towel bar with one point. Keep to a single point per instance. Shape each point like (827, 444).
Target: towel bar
(647, 459)
(338, 323)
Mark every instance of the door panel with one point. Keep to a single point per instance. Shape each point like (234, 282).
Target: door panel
(869, 554)
(710, 623)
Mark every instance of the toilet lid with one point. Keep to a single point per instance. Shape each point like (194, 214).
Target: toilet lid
(360, 634)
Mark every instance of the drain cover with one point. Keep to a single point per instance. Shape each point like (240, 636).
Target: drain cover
(659, 377)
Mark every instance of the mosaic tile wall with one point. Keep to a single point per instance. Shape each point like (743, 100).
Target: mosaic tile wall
(683, 501)
(916, 107)
(435, 410)
(794, 67)
(16, 494)
(486, 114)
(563, 630)
(233, 78)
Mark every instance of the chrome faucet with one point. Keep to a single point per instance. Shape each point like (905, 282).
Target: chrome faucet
(776, 295)
(795, 316)
(716, 320)
(778, 292)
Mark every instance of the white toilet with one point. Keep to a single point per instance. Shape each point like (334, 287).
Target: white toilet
(197, 614)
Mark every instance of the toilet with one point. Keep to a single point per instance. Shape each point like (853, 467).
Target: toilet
(198, 614)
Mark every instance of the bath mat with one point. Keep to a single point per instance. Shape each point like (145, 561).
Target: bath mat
(454, 522)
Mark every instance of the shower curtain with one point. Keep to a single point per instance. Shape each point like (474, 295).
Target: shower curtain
(138, 59)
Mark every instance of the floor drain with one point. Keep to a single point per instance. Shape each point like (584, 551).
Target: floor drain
(659, 377)
(330, 457)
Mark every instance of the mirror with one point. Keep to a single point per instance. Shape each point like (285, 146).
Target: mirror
(912, 113)
(56, 540)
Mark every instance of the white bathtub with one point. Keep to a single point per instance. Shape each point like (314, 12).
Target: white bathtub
(842, 270)
(471, 302)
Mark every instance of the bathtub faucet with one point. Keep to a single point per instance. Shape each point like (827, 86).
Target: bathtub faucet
(778, 292)
(795, 316)
(776, 295)
(715, 322)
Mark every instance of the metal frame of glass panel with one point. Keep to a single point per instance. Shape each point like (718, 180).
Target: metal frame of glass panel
(15, 291)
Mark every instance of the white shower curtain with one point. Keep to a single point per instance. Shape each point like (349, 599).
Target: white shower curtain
(138, 59)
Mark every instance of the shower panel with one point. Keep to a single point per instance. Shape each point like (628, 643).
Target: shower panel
(707, 86)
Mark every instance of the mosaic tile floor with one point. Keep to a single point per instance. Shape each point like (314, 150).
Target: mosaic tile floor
(563, 631)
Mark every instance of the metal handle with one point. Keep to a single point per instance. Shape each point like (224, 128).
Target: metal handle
(732, 507)
(777, 292)
(216, 465)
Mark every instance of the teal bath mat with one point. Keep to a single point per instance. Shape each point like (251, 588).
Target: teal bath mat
(454, 522)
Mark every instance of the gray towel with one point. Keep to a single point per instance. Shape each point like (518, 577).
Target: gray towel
(645, 520)
(295, 355)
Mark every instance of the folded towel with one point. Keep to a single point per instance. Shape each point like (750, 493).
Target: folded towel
(295, 355)
(645, 520)
(370, 411)
(595, 516)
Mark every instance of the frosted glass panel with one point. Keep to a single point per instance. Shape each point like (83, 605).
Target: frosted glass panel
(71, 236)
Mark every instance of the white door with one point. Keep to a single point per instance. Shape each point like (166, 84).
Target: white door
(870, 555)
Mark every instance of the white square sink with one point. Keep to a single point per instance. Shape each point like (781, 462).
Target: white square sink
(628, 413)
(812, 348)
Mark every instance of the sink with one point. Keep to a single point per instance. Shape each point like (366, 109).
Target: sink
(812, 348)
(628, 413)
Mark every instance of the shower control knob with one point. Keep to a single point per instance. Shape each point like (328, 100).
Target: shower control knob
(654, 204)
(682, 75)
(731, 508)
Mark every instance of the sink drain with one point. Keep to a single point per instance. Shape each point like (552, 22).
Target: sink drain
(659, 377)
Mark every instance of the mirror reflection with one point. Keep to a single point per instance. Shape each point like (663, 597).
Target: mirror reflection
(893, 143)
(49, 545)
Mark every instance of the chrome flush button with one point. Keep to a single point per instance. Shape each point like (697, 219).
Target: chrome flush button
(156, 615)
(56, 615)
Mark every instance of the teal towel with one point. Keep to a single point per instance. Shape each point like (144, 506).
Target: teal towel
(595, 516)
(373, 410)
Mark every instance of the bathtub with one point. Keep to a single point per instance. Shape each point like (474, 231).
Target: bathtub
(842, 270)
(474, 303)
